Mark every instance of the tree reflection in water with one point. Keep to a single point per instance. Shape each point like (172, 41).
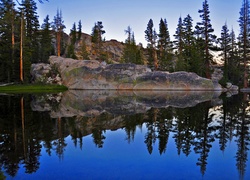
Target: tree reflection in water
(25, 132)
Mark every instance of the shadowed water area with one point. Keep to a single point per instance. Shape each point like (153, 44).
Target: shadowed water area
(124, 135)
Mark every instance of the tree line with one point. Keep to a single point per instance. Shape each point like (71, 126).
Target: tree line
(193, 46)
(23, 40)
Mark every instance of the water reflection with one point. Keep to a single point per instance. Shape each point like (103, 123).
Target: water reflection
(194, 120)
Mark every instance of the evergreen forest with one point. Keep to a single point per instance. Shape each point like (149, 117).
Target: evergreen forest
(24, 41)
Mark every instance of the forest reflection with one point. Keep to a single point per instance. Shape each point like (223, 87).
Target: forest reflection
(26, 128)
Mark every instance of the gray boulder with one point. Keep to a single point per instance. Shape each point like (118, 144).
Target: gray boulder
(91, 74)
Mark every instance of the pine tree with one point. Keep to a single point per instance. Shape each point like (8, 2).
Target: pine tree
(8, 34)
(149, 33)
(71, 47)
(46, 41)
(97, 32)
(151, 37)
(73, 34)
(128, 55)
(244, 22)
(79, 32)
(129, 32)
(58, 26)
(234, 61)
(225, 41)
(204, 32)
(31, 22)
(131, 53)
(188, 31)
(189, 51)
(29, 37)
(179, 36)
(165, 47)
(179, 45)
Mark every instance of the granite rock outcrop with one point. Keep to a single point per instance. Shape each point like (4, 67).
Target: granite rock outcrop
(92, 74)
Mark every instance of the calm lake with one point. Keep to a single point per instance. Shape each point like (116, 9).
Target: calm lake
(124, 135)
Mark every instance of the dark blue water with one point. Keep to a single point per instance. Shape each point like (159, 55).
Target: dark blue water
(206, 141)
(120, 160)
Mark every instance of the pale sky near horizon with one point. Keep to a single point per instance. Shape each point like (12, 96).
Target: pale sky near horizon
(117, 15)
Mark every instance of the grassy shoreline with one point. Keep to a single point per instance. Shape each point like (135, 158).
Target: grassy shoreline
(32, 88)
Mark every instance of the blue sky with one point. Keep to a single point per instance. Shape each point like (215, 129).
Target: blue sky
(117, 15)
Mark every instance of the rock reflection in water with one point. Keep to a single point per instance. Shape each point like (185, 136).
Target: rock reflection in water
(93, 102)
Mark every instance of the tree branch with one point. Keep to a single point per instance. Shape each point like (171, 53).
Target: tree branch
(41, 1)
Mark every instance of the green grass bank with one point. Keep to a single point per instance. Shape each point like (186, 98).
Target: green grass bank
(32, 88)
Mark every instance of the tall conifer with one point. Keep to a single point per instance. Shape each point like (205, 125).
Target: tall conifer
(58, 27)
(46, 40)
(204, 32)
(165, 47)
(31, 45)
(244, 22)
(179, 45)
(131, 53)
(189, 51)
(225, 41)
(151, 37)
(8, 34)
(71, 46)
(97, 39)
(234, 70)
(79, 30)
(179, 36)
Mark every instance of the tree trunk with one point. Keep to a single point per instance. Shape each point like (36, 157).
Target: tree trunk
(58, 44)
(21, 51)
(245, 39)
(13, 48)
(156, 65)
(207, 62)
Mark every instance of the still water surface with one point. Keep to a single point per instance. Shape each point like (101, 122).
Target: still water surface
(124, 135)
